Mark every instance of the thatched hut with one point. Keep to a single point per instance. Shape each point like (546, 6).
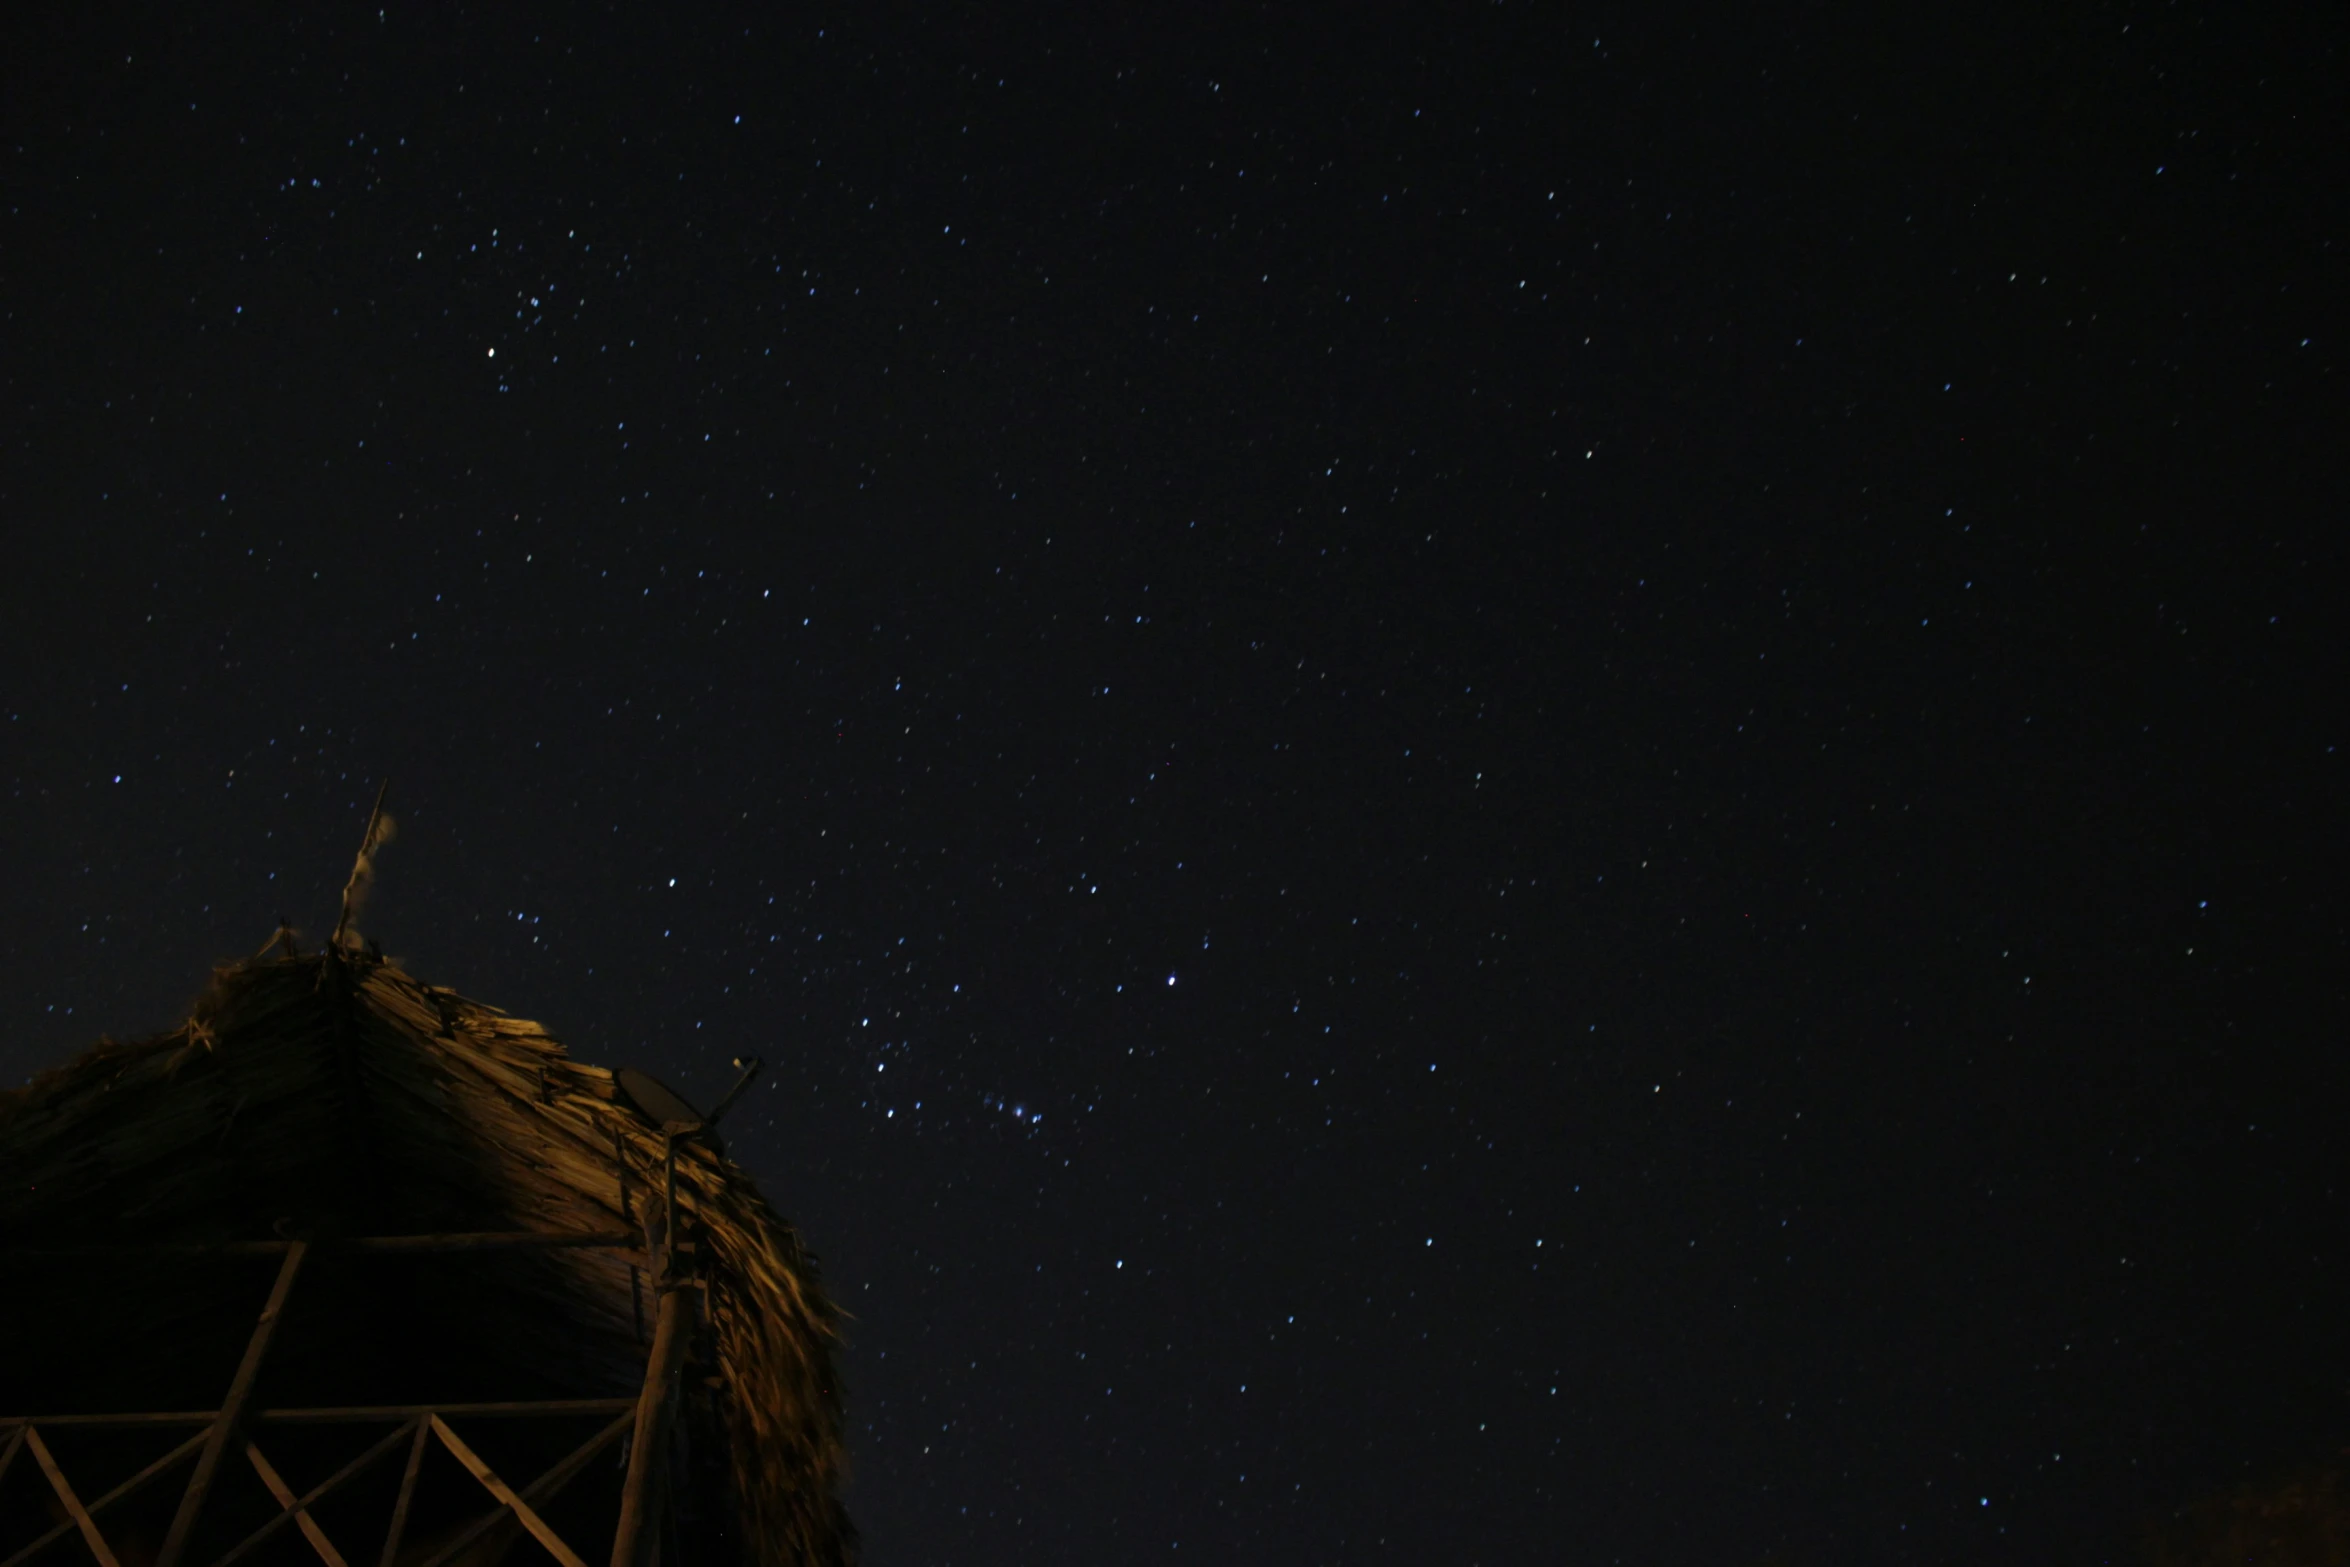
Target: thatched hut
(350, 1266)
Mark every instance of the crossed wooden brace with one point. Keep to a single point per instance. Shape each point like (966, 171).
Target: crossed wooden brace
(225, 1428)
(414, 1432)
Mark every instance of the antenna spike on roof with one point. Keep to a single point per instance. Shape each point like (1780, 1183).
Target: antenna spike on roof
(379, 833)
(281, 940)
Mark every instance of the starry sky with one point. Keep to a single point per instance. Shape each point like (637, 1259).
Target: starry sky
(1497, 784)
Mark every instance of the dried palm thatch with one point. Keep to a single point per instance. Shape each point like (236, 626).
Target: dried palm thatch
(327, 1098)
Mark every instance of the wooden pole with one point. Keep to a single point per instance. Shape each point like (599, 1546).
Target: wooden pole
(35, 1547)
(73, 1504)
(350, 1414)
(296, 1507)
(636, 1278)
(490, 1240)
(668, 1202)
(407, 1493)
(231, 1418)
(498, 1488)
(635, 1541)
(538, 1494)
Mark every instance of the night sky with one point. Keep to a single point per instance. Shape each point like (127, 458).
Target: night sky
(1497, 785)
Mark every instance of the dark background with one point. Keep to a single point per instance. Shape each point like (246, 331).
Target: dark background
(1499, 784)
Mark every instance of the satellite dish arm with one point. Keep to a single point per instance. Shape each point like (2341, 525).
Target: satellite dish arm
(751, 1067)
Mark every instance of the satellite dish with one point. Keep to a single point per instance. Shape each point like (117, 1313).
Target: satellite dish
(662, 1107)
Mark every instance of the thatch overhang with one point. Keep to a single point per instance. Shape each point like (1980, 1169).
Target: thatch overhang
(144, 1188)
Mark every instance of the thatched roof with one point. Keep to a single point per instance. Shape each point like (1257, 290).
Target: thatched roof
(336, 1095)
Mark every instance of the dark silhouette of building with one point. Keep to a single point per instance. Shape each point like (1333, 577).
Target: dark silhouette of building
(348, 1266)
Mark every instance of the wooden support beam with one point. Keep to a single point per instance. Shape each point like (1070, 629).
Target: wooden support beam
(169, 1461)
(538, 1493)
(662, 1264)
(73, 1504)
(407, 1493)
(498, 1488)
(145, 1417)
(636, 1539)
(225, 1427)
(15, 1446)
(297, 1509)
(290, 1506)
(344, 1414)
(472, 1240)
(496, 1240)
(519, 1409)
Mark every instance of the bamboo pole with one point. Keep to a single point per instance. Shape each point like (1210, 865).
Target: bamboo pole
(344, 1414)
(635, 1540)
(290, 1506)
(232, 1411)
(546, 1536)
(170, 1460)
(407, 1493)
(538, 1493)
(298, 1508)
(484, 1240)
(73, 1504)
(519, 1409)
